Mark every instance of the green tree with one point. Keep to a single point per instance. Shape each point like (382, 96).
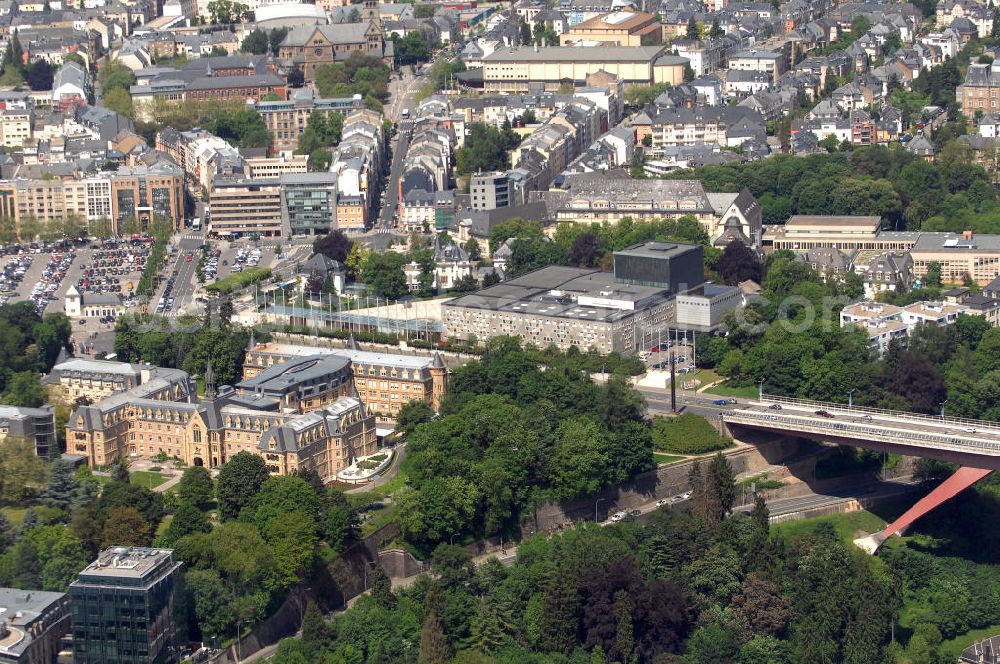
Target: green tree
(434, 646)
(256, 43)
(579, 461)
(39, 75)
(383, 273)
(120, 101)
(196, 487)
(692, 31)
(342, 527)
(25, 390)
(115, 75)
(63, 489)
(126, 527)
(315, 633)
(239, 481)
(486, 149)
(292, 539)
(187, 519)
(413, 414)
(382, 589)
(22, 472)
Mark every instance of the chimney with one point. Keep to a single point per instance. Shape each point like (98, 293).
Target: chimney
(967, 235)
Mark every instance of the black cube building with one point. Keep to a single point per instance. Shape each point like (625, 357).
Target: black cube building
(676, 267)
(122, 607)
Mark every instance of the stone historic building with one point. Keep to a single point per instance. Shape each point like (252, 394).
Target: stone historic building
(298, 407)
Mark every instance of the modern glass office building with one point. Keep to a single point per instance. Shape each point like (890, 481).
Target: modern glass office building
(122, 607)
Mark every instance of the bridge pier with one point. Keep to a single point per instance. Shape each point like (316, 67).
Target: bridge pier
(959, 481)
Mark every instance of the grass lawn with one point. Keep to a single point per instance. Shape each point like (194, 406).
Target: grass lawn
(950, 649)
(724, 390)
(663, 459)
(706, 376)
(147, 478)
(14, 514)
(847, 525)
(164, 524)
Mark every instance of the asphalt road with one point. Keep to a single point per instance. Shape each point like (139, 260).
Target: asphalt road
(695, 402)
(184, 283)
(390, 202)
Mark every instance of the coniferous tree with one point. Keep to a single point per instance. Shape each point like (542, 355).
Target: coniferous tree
(29, 521)
(63, 490)
(434, 646)
(382, 589)
(314, 630)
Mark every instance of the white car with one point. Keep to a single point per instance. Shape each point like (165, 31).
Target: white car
(618, 516)
(662, 501)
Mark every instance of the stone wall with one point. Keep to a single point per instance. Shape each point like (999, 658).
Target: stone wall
(330, 588)
(663, 482)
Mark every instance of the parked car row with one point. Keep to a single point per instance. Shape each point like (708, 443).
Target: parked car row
(53, 274)
(12, 275)
(211, 268)
(246, 258)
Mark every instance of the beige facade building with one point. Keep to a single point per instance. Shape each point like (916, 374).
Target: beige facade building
(275, 167)
(620, 28)
(385, 382)
(514, 70)
(599, 198)
(94, 379)
(15, 126)
(164, 417)
(975, 256)
(245, 206)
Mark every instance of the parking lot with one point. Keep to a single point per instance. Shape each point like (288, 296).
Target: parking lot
(658, 357)
(40, 273)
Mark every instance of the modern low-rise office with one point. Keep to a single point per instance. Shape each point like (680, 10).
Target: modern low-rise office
(122, 607)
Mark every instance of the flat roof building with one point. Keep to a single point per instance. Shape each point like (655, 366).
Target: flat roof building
(702, 309)
(245, 206)
(37, 425)
(668, 265)
(32, 622)
(563, 306)
(620, 28)
(123, 607)
(977, 256)
(516, 69)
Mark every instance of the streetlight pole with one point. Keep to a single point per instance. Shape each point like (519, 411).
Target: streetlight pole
(942, 408)
(760, 391)
(596, 503)
(451, 540)
(850, 399)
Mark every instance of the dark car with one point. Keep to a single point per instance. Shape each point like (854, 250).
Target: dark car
(824, 413)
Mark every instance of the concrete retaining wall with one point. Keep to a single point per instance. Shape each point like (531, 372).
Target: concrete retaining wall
(663, 482)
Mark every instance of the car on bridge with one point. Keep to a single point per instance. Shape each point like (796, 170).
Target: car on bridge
(774, 406)
(824, 413)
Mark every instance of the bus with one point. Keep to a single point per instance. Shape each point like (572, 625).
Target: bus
(196, 224)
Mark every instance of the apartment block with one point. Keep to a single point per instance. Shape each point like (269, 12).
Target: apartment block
(286, 120)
